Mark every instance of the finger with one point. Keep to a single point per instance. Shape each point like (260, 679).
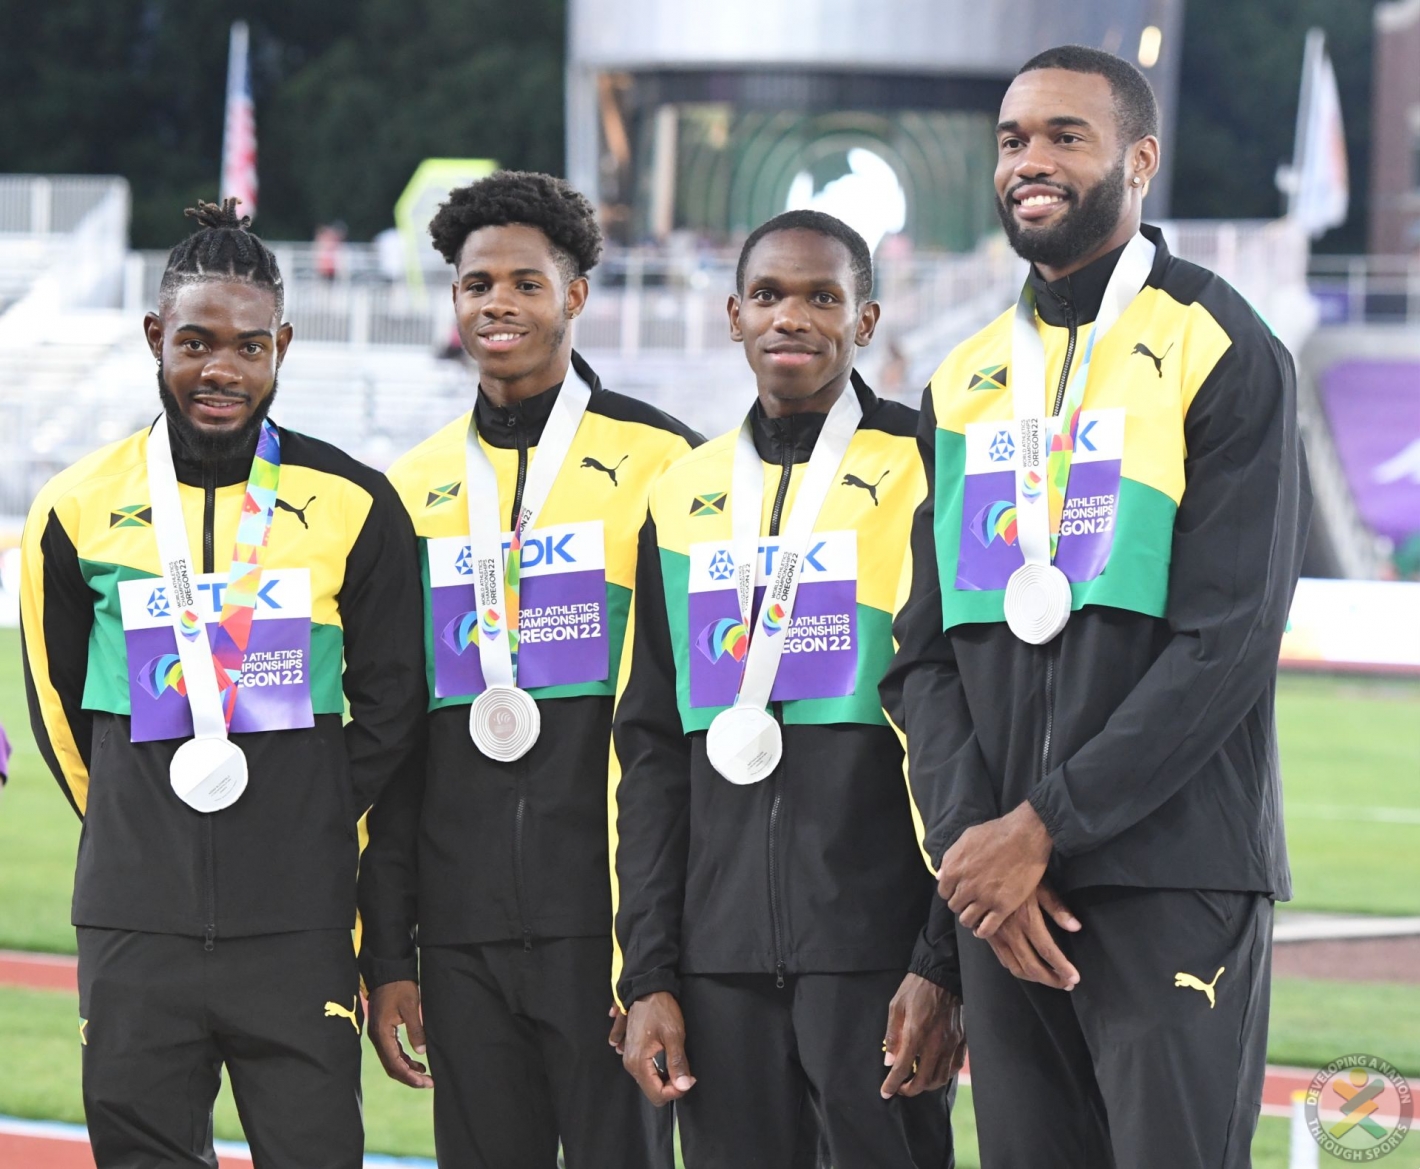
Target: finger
(1005, 956)
(648, 1079)
(1032, 968)
(990, 922)
(929, 1072)
(958, 1060)
(398, 1066)
(946, 884)
(1038, 937)
(414, 1028)
(958, 898)
(894, 1033)
(1057, 909)
(901, 1069)
(970, 913)
(677, 1066)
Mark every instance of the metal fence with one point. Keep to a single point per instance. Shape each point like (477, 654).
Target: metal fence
(51, 204)
(1358, 290)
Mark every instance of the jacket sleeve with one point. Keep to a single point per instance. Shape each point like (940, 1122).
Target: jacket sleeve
(56, 616)
(649, 801)
(381, 610)
(389, 879)
(1238, 540)
(922, 690)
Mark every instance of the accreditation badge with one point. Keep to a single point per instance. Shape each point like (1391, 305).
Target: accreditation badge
(820, 657)
(989, 550)
(271, 688)
(563, 637)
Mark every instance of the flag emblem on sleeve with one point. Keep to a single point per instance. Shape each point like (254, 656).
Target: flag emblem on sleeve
(135, 515)
(445, 494)
(993, 377)
(712, 504)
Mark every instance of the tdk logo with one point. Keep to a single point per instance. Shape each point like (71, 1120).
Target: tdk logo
(158, 602)
(1002, 447)
(264, 595)
(722, 565)
(548, 550)
(811, 561)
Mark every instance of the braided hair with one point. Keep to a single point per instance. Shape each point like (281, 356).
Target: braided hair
(222, 248)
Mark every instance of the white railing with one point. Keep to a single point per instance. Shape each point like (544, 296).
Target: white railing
(1366, 290)
(51, 204)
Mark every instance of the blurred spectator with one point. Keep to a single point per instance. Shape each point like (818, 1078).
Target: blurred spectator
(330, 250)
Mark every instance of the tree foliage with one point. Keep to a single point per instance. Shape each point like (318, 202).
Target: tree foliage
(1237, 110)
(349, 98)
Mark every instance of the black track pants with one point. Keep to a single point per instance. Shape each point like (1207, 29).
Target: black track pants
(758, 1052)
(518, 1052)
(163, 1014)
(1154, 1060)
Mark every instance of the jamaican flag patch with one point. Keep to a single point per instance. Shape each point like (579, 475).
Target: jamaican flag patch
(445, 494)
(712, 504)
(991, 378)
(135, 515)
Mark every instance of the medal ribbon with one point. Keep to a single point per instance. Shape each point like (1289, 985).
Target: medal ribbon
(211, 676)
(768, 634)
(1046, 445)
(497, 583)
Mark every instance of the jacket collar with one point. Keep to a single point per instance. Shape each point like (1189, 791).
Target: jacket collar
(797, 433)
(1076, 299)
(196, 472)
(522, 422)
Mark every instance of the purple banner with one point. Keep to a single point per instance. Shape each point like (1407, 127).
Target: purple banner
(1374, 410)
(820, 657)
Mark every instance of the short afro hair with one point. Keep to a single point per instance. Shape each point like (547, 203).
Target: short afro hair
(552, 205)
(860, 260)
(1136, 111)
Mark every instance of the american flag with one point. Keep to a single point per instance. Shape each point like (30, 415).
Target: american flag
(239, 134)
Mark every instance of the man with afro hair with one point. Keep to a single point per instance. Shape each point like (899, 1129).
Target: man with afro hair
(485, 891)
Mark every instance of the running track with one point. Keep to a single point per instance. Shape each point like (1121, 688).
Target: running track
(26, 1144)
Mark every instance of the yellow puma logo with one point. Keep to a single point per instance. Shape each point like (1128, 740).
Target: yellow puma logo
(1182, 979)
(334, 1009)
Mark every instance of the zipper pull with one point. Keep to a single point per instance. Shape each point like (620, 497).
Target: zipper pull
(779, 975)
(209, 936)
(527, 940)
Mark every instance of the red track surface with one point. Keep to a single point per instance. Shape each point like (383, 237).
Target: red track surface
(38, 972)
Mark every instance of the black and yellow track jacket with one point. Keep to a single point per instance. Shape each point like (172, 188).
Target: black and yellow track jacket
(284, 856)
(818, 868)
(464, 849)
(1143, 734)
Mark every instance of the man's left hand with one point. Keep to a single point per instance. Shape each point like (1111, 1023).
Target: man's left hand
(925, 1043)
(617, 1038)
(993, 867)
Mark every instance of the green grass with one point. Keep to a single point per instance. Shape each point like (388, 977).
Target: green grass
(40, 1075)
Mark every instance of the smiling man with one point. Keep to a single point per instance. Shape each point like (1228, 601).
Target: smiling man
(772, 897)
(491, 854)
(169, 589)
(1088, 657)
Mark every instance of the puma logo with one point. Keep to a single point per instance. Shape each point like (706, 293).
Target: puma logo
(1158, 361)
(591, 464)
(84, 1032)
(1182, 979)
(332, 1010)
(298, 512)
(870, 488)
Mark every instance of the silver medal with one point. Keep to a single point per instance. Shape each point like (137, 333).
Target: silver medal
(504, 722)
(208, 774)
(744, 743)
(1037, 602)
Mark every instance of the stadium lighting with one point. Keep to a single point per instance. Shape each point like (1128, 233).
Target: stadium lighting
(1151, 40)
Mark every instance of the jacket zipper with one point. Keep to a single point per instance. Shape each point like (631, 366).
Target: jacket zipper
(520, 812)
(1052, 651)
(786, 472)
(209, 844)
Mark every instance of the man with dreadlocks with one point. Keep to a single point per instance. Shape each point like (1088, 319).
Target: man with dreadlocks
(493, 854)
(191, 595)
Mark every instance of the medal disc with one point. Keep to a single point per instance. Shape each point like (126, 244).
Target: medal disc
(1037, 602)
(208, 774)
(504, 722)
(744, 744)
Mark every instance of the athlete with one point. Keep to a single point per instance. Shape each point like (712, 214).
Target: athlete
(220, 574)
(492, 855)
(1088, 656)
(772, 898)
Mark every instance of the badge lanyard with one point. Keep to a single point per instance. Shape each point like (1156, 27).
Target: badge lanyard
(746, 746)
(204, 772)
(1046, 447)
(496, 583)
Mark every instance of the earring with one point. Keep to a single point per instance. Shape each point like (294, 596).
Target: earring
(1135, 180)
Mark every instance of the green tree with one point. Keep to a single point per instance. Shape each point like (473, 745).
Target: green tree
(1239, 84)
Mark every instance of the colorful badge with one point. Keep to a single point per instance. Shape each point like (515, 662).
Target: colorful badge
(267, 689)
(562, 614)
(821, 640)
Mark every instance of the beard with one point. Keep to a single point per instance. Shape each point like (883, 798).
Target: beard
(211, 446)
(1087, 223)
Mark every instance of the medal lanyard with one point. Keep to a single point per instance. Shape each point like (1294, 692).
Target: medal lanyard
(210, 677)
(766, 645)
(495, 583)
(1047, 445)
